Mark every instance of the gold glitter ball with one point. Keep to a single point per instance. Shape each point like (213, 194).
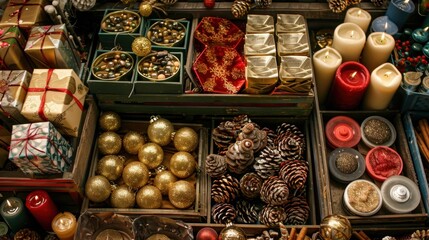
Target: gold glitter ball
(109, 143)
(109, 121)
(182, 194)
(164, 180)
(145, 9)
(182, 164)
(185, 139)
(135, 174)
(141, 46)
(122, 197)
(110, 166)
(149, 197)
(132, 142)
(97, 188)
(160, 131)
(151, 154)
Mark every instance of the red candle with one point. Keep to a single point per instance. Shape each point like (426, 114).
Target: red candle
(349, 85)
(42, 208)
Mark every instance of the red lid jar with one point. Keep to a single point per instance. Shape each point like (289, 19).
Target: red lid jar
(383, 162)
(342, 131)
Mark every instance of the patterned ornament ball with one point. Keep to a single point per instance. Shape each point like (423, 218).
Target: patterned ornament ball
(185, 139)
(110, 166)
(149, 197)
(232, 232)
(164, 180)
(182, 164)
(151, 154)
(135, 174)
(109, 143)
(209, 3)
(207, 233)
(145, 9)
(141, 46)
(335, 227)
(160, 130)
(132, 142)
(109, 121)
(182, 194)
(97, 188)
(122, 197)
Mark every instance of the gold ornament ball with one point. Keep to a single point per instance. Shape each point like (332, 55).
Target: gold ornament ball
(135, 174)
(185, 139)
(132, 142)
(182, 194)
(160, 131)
(231, 232)
(164, 180)
(97, 188)
(122, 197)
(109, 234)
(145, 9)
(109, 143)
(149, 197)
(158, 236)
(182, 164)
(109, 121)
(110, 166)
(141, 46)
(151, 154)
(335, 227)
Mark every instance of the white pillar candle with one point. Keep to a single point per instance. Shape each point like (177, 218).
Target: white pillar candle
(359, 16)
(385, 80)
(325, 62)
(349, 40)
(377, 50)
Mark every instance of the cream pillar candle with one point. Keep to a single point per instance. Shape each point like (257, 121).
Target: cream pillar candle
(377, 50)
(325, 62)
(359, 16)
(349, 40)
(385, 80)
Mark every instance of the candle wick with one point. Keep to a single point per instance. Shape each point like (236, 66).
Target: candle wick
(382, 38)
(387, 74)
(353, 74)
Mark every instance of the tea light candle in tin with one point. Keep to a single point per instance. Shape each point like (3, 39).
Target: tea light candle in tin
(411, 80)
(121, 21)
(362, 197)
(112, 65)
(424, 86)
(400, 194)
(166, 32)
(377, 131)
(159, 66)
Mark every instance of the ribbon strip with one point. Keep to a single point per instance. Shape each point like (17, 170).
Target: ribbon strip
(48, 88)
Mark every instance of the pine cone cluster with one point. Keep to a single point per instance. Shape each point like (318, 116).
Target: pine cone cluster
(274, 191)
(240, 156)
(27, 234)
(297, 211)
(247, 212)
(223, 213)
(227, 132)
(272, 215)
(268, 162)
(250, 185)
(420, 235)
(225, 189)
(258, 137)
(337, 6)
(215, 165)
(294, 173)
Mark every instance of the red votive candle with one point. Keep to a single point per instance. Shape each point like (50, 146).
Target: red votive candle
(349, 85)
(42, 208)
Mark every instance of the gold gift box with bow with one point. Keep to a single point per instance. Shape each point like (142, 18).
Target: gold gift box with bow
(25, 14)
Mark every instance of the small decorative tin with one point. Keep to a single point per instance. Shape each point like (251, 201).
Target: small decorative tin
(400, 194)
(362, 197)
(290, 23)
(261, 74)
(112, 66)
(342, 131)
(292, 44)
(295, 74)
(259, 24)
(259, 44)
(346, 164)
(411, 80)
(159, 66)
(167, 32)
(383, 162)
(377, 131)
(424, 86)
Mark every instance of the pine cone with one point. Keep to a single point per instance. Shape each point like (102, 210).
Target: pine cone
(297, 211)
(420, 235)
(274, 191)
(337, 6)
(272, 215)
(291, 128)
(27, 234)
(263, 3)
(225, 189)
(223, 213)
(271, 135)
(242, 119)
(225, 134)
(240, 156)
(268, 162)
(259, 137)
(379, 3)
(215, 165)
(294, 173)
(247, 212)
(290, 145)
(354, 2)
(250, 185)
(268, 235)
(240, 8)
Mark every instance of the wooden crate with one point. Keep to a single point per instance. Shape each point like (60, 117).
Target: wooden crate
(69, 182)
(330, 192)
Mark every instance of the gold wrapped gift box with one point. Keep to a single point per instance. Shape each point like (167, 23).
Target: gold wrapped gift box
(12, 56)
(56, 95)
(25, 14)
(48, 47)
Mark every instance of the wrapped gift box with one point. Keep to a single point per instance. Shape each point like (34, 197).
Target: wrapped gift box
(13, 89)
(56, 95)
(25, 14)
(12, 43)
(38, 148)
(48, 47)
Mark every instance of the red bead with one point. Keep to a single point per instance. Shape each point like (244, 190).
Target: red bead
(207, 233)
(209, 3)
